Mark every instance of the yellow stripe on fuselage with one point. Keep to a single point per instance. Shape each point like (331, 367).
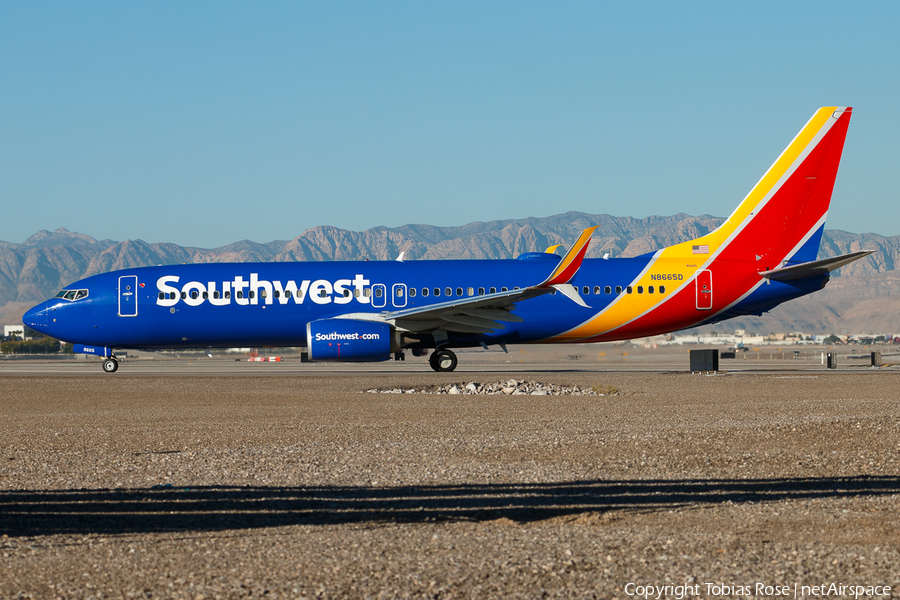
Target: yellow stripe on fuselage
(671, 273)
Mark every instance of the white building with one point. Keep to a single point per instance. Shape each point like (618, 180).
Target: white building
(18, 330)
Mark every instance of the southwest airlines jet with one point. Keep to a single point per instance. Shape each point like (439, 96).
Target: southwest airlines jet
(764, 254)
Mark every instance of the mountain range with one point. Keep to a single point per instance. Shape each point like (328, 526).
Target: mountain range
(862, 297)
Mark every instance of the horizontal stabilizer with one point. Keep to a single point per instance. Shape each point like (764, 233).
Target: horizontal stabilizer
(816, 267)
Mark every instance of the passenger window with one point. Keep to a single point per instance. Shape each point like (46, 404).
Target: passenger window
(459, 291)
(516, 287)
(481, 291)
(240, 294)
(216, 295)
(504, 289)
(470, 291)
(276, 293)
(346, 294)
(585, 291)
(618, 289)
(162, 295)
(184, 295)
(628, 289)
(322, 294)
(448, 292)
(378, 292)
(437, 291)
(493, 290)
(252, 294)
(607, 290)
(424, 292)
(366, 292)
(650, 289)
(228, 295)
(355, 293)
(662, 289)
(195, 295)
(640, 289)
(262, 293)
(596, 290)
(412, 292)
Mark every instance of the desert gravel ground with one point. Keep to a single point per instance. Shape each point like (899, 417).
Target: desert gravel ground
(288, 487)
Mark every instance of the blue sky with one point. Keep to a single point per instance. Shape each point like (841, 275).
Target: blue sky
(208, 123)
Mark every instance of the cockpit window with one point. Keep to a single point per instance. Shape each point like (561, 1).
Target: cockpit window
(72, 295)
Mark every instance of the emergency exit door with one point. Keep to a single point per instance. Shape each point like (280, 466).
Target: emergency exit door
(128, 296)
(704, 290)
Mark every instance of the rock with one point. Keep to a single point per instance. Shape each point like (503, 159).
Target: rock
(508, 388)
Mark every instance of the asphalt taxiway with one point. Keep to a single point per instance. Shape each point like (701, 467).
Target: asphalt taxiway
(583, 358)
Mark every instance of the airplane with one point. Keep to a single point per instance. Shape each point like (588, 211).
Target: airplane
(764, 254)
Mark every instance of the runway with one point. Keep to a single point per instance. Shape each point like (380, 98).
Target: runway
(190, 478)
(582, 358)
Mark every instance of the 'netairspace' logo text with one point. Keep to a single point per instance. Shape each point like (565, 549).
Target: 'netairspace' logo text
(759, 590)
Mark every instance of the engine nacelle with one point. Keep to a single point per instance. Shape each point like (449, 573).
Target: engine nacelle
(349, 340)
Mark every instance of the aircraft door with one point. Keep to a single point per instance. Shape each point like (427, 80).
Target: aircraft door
(703, 282)
(379, 295)
(398, 295)
(128, 296)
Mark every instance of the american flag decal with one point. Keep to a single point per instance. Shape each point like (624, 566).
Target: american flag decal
(702, 249)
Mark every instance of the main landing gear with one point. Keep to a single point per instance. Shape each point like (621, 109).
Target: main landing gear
(110, 364)
(442, 360)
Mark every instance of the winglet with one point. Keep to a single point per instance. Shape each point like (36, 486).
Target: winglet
(552, 249)
(571, 262)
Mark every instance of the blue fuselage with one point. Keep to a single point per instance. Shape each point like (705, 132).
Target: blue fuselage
(270, 304)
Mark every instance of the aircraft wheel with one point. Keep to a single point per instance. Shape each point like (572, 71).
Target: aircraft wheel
(442, 360)
(110, 365)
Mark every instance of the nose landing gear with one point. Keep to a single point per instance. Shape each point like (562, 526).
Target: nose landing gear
(442, 360)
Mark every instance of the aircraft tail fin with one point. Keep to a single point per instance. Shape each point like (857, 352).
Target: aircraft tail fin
(781, 220)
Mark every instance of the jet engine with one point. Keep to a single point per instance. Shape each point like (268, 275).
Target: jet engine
(349, 340)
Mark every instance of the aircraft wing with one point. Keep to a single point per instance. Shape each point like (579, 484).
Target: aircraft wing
(487, 313)
(816, 267)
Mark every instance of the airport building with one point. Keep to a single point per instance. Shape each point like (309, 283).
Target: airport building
(18, 330)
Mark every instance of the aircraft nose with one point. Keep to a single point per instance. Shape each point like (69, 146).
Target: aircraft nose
(36, 317)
